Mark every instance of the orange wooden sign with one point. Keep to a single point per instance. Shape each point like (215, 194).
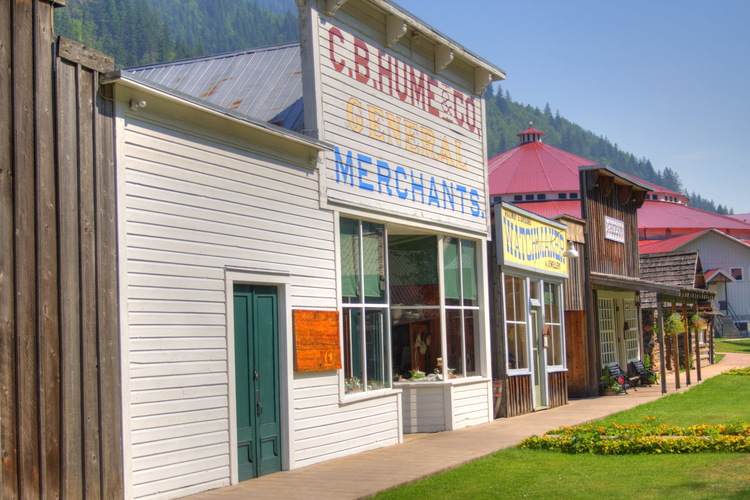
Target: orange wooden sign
(316, 339)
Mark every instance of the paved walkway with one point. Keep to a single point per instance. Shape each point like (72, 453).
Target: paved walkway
(422, 455)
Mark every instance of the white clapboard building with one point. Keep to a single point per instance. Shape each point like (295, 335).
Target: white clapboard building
(303, 234)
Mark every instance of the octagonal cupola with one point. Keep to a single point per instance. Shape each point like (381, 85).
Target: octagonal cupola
(530, 135)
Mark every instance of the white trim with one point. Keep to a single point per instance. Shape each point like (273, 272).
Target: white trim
(122, 256)
(283, 281)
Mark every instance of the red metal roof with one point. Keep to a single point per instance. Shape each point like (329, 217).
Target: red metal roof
(552, 209)
(656, 246)
(659, 214)
(535, 167)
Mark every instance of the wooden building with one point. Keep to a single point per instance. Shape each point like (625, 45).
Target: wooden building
(303, 284)
(609, 202)
(529, 261)
(60, 421)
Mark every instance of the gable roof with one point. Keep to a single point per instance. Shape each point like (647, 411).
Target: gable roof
(264, 84)
(678, 242)
(681, 269)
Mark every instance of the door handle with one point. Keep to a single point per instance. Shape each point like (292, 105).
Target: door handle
(255, 374)
(258, 405)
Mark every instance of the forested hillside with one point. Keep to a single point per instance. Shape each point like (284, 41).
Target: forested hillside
(140, 32)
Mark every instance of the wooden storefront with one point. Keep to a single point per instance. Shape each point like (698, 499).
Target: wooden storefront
(610, 202)
(529, 261)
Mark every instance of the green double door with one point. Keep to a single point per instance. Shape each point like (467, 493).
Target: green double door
(256, 351)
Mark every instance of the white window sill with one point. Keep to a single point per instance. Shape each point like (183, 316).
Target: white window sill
(432, 383)
(368, 395)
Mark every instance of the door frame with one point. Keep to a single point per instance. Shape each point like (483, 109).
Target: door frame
(282, 281)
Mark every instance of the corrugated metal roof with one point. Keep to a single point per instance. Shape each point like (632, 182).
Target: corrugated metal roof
(264, 83)
(535, 167)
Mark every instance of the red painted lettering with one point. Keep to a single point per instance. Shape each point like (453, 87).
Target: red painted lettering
(335, 33)
(361, 61)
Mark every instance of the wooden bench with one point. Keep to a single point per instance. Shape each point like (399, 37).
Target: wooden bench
(644, 374)
(624, 380)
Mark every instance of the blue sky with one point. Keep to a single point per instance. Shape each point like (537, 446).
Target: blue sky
(668, 80)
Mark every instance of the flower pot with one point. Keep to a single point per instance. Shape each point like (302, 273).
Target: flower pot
(608, 391)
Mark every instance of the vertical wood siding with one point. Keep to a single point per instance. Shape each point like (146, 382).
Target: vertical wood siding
(60, 420)
(607, 256)
(194, 205)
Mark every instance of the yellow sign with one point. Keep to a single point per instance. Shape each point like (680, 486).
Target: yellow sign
(528, 242)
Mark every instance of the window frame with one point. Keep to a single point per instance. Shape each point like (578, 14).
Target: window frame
(461, 307)
(363, 306)
(557, 287)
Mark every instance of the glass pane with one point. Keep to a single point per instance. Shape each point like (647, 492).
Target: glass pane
(451, 272)
(515, 305)
(375, 349)
(349, 236)
(551, 303)
(471, 346)
(517, 353)
(555, 347)
(469, 264)
(373, 242)
(454, 334)
(353, 380)
(415, 341)
(510, 307)
(413, 268)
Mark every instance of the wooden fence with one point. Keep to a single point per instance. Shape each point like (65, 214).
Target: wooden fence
(60, 409)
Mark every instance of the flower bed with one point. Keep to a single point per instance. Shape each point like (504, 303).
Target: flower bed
(649, 438)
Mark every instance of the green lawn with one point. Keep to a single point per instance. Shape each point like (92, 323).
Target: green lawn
(515, 473)
(742, 346)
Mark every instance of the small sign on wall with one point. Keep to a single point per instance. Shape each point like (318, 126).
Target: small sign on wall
(614, 229)
(316, 339)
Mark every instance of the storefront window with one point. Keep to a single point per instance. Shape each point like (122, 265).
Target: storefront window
(365, 334)
(553, 332)
(516, 318)
(461, 299)
(415, 310)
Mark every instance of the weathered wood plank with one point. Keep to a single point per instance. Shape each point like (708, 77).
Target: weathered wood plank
(107, 298)
(8, 396)
(68, 217)
(47, 258)
(90, 385)
(25, 259)
(85, 56)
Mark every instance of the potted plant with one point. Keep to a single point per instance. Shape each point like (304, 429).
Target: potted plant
(610, 386)
(697, 321)
(673, 324)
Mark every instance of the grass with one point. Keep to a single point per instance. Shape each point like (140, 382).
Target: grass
(740, 346)
(515, 473)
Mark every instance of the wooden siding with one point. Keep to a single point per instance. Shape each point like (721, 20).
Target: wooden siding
(196, 204)
(719, 252)
(424, 408)
(60, 420)
(607, 256)
(576, 348)
(557, 388)
(518, 396)
(326, 429)
(470, 403)
(355, 118)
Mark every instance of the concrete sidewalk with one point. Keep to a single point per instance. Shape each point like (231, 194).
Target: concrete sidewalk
(422, 455)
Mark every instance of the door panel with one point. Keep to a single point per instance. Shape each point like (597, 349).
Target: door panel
(257, 380)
